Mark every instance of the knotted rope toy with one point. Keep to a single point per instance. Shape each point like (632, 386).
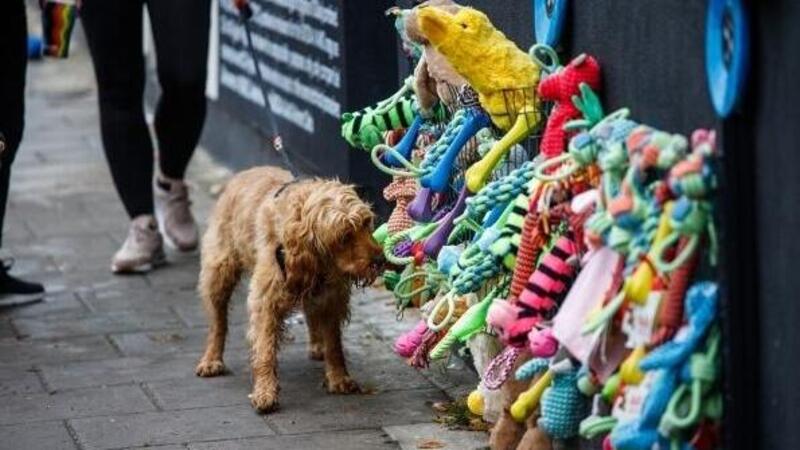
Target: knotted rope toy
(560, 86)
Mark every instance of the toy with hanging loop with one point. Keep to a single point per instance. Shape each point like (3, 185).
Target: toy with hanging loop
(471, 322)
(364, 129)
(693, 180)
(561, 85)
(669, 361)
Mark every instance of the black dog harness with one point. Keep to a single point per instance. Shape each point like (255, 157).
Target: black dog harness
(280, 253)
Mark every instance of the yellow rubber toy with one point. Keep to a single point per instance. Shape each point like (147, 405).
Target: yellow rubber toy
(504, 77)
(475, 402)
(529, 400)
(639, 285)
(629, 370)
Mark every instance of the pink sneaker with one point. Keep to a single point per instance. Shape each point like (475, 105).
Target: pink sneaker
(142, 250)
(174, 217)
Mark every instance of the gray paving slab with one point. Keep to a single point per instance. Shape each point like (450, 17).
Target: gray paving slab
(27, 352)
(413, 437)
(345, 440)
(67, 325)
(159, 447)
(119, 299)
(39, 436)
(175, 341)
(193, 315)
(169, 427)
(70, 404)
(305, 411)
(7, 332)
(19, 381)
(196, 392)
(53, 303)
(124, 370)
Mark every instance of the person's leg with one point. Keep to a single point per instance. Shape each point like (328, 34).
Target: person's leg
(114, 33)
(180, 31)
(14, 58)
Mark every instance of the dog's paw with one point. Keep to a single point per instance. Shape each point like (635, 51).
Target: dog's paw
(342, 385)
(315, 352)
(264, 401)
(210, 368)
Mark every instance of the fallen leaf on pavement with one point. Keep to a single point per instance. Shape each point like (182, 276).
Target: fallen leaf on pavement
(429, 444)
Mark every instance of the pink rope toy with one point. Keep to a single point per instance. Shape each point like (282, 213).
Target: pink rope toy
(498, 371)
(407, 343)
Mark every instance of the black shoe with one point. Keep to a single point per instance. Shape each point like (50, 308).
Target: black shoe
(14, 292)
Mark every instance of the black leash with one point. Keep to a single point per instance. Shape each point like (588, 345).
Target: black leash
(245, 14)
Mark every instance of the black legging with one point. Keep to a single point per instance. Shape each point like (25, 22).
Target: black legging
(13, 61)
(114, 31)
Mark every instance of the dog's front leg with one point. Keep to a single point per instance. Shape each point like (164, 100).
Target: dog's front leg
(337, 379)
(268, 309)
(327, 319)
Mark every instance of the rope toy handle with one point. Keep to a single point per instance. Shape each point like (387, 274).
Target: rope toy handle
(387, 151)
(498, 371)
(446, 300)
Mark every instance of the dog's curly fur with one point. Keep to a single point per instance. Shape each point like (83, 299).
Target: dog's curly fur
(322, 232)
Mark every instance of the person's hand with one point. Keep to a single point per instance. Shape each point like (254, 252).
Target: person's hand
(244, 8)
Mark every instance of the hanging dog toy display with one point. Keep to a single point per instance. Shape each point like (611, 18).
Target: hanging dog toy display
(572, 251)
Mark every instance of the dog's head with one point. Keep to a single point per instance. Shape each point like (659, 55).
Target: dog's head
(332, 233)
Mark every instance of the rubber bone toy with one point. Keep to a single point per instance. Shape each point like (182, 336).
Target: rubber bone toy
(504, 76)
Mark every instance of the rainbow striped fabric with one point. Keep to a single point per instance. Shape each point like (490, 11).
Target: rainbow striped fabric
(58, 19)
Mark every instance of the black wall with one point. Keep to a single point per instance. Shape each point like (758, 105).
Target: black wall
(237, 131)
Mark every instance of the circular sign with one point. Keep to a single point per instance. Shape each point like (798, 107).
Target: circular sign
(727, 53)
(548, 18)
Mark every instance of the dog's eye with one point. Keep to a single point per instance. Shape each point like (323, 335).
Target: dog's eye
(346, 237)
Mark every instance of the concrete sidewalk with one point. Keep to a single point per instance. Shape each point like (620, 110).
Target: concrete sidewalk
(106, 362)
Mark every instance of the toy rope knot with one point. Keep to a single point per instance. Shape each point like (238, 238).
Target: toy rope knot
(583, 149)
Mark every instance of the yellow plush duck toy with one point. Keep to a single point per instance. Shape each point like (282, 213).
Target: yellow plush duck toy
(504, 76)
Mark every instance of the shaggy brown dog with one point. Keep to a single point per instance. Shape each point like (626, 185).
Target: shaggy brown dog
(304, 242)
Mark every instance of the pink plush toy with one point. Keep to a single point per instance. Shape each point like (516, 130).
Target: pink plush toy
(542, 343)
(541, 297)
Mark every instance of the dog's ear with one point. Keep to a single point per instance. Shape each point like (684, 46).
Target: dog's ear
(302, 265)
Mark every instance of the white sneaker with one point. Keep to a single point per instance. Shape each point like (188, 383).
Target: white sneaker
(142, 250)
(174, 217)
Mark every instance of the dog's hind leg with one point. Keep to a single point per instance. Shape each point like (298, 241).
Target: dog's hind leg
(219, 275)
(316, 341)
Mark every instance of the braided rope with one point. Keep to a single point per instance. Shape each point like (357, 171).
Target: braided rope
(498, 371)
(500, 191)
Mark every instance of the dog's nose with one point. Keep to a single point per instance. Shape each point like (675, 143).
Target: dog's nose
(378, 260)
